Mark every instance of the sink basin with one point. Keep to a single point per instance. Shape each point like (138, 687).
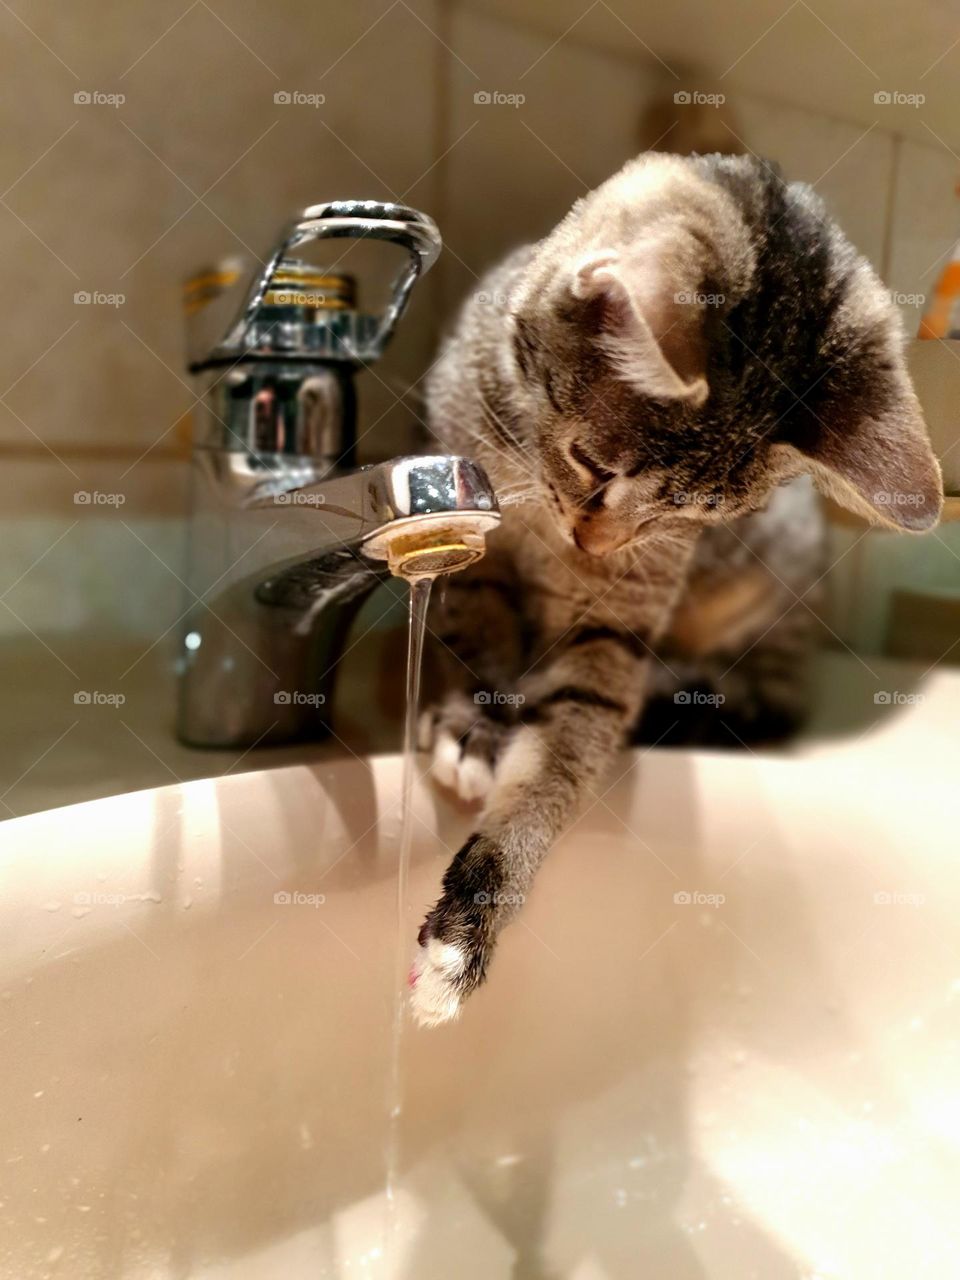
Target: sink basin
(721, 1041)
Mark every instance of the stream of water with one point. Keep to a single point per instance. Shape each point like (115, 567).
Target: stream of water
(419, 601)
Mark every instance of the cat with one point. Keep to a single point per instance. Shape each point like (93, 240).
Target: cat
(654, 388)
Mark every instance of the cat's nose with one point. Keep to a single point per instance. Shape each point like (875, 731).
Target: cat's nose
(600, 536)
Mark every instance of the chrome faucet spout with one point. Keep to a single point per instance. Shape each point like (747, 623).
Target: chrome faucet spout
(262, 641)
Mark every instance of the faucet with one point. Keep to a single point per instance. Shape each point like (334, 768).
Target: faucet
(286, 537)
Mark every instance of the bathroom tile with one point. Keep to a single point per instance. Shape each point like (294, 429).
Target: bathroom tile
(91, 544)
(199, 161)
(925, 223)
(514, 170)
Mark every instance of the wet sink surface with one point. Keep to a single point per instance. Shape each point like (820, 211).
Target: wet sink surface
(721, 1041)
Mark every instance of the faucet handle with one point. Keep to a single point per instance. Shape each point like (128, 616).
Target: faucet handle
(275, 320)
(376, 220)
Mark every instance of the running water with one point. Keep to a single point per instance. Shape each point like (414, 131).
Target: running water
(419, 600)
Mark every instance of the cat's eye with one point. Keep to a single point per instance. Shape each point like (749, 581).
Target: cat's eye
(600, 473)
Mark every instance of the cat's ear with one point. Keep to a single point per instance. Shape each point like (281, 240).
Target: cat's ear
(651, 316)
(879, 464)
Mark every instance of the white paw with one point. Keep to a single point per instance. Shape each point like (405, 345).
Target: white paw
(467, 776)
(434, 982)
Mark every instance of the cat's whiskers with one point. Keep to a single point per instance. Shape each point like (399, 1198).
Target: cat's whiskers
(510, 499)
(494, 417)
(486, 444)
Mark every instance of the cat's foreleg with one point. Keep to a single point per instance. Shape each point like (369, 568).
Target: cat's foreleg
(573, 721)
(477, 628)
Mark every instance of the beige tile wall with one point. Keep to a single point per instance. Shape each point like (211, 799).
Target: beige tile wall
(199, 161)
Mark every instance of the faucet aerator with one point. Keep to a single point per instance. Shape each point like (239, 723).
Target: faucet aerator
(425, 547)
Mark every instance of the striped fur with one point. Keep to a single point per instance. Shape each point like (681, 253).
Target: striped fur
(652, 388)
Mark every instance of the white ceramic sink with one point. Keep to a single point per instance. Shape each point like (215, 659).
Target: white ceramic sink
(194, 1071)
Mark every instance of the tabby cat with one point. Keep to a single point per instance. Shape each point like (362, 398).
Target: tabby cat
(654, 388)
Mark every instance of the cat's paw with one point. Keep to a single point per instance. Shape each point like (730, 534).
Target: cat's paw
(466, 743)
(457, 938)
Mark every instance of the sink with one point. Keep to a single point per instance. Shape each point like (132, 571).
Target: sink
(721, 1041)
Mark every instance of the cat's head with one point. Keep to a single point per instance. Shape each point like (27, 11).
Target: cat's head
(676, 365)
